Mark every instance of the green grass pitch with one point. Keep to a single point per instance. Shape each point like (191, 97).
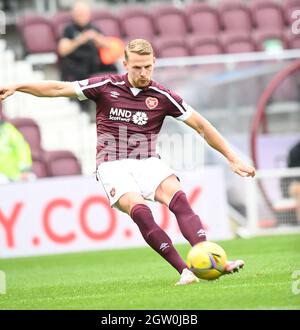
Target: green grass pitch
(138, 278)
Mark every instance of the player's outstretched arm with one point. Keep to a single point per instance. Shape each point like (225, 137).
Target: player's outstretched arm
(216, 140)
(48, 88)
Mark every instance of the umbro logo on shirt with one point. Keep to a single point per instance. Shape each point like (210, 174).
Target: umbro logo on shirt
(114, 94)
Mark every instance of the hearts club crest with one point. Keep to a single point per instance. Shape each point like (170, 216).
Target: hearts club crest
(151, 102)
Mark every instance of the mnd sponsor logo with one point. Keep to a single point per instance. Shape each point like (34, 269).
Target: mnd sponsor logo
(118, 114)
(2, 22)
(137, 117)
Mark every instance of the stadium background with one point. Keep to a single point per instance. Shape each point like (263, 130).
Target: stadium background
(238, 64)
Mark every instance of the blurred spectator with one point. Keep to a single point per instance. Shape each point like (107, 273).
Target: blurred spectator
(15, 155)
(79, 47)
(294, 186)
(294, 156)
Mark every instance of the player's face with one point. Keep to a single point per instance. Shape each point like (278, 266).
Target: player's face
(140, 69)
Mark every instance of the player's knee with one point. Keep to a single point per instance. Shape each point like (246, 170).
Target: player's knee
(166, 190)
(128, 201)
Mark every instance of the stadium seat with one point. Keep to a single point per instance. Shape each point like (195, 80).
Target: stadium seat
(203, 45)
(136, 23)
(235, 16)
(31, 132)
(169, 21)
(39, 167)
(267, 14)
(171, 47)
(46, 163)
(203, 19)
(288, 7)
(37, 34)
(263, 36)
(237, 42)
(59, 22)
(293, 40)
(62, 162)
(107, 22)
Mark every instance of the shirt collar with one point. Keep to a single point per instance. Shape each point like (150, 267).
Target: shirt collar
(135, 91)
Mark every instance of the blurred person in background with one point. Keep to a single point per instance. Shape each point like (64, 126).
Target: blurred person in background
(15, 154)
(294, 182)
(131, 109)
(79, 48)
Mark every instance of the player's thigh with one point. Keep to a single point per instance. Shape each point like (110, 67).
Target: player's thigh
(167, 189)
(149, 174)
(117, 181)
(127, 201)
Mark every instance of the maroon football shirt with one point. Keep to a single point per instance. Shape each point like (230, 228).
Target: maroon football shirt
(129, 119)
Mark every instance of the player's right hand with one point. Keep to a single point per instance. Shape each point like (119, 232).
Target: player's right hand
(241, 169)
(6, 92)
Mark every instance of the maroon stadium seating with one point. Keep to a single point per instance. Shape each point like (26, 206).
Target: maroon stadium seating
(45, 163)
(204, 45)
(59, 22)
(235, 16)
(169, 21)
(203, 19)
(136, 23)
(168, 25)
(39, 166)
(238, 42)
(171, 47)
(293, 40)
(61, 163)
(107, 22)
(267, 14)
(262, 36)
(37, 34)
(31, 132)
(288, 7)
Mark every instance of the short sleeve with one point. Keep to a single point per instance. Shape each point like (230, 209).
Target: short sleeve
(90, 88)
(179, 109)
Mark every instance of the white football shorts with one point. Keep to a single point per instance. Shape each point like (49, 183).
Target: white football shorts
(132, 175)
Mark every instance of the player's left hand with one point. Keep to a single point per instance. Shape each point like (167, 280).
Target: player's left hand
(241, 169)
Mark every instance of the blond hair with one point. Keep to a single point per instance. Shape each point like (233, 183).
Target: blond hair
(138, 46)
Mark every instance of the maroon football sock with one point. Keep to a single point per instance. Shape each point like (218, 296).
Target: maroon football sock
(155, 236)
(189, 223)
